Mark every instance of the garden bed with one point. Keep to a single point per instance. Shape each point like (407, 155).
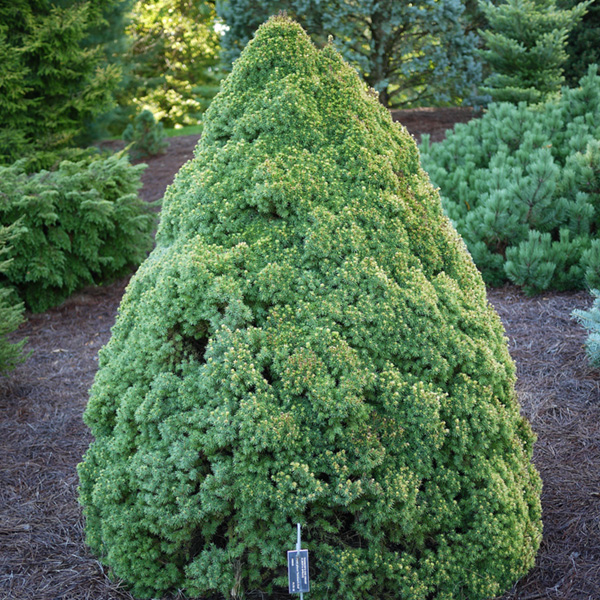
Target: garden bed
(42, 436)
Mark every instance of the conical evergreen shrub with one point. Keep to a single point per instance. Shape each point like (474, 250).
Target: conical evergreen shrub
(309, 342)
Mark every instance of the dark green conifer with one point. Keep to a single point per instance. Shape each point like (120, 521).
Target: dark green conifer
(583, 44)
(522, 186)
(412, 54)
(80, 224)
(309, 342)
(526, 48)
(146, 136)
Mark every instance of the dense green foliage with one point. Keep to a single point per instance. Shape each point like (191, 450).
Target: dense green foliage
(308, 342)
(11, 309)
(80, 224)
(522, 186)
(172, 59)
(53, 81)
(108, 33)
(590, 319)
(526, 41)
(417, 54)
(583, 46)
(147, 137)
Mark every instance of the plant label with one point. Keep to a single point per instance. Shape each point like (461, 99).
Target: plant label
(298, 571)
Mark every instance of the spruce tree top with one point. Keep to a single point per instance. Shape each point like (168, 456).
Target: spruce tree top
(309, 342)
(295, 150)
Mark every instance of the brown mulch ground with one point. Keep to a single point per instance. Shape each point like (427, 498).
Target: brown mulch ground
(42, 437)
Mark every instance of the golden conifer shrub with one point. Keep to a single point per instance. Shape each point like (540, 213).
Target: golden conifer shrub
(309, 342)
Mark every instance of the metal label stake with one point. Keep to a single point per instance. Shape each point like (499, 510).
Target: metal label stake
(298, 577)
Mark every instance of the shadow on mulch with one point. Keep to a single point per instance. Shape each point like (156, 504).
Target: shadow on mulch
(42, 439)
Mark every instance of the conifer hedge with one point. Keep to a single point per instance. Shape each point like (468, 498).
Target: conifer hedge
(308, 342)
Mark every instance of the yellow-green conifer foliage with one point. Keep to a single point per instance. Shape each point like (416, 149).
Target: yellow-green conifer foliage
(309, 342)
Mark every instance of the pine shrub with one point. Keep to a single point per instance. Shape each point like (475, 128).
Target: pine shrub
(522, 186)
(146, 136)
(308, 342)
(81, 224)
(11, 309)
(590, 319)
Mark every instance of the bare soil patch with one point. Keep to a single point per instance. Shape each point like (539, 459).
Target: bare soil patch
(42, 436)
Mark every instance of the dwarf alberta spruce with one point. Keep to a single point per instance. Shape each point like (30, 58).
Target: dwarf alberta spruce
(309, 342)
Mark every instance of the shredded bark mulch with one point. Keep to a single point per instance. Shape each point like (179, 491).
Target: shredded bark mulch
(42, 436)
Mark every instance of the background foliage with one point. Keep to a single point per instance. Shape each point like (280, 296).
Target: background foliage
(411, 54)
(11, 309)
(53, 79)
(173, 55)
(80, 224)
(146, 136)
(590, 319)
(308, 342)
(526, 48)
(583, 47)
(522, 186)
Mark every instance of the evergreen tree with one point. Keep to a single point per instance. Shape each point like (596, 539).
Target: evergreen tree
(108, 31)
(411, 54)
(526, 43)
(51, 83)
(146, 136)
(308, 342)
(82, 223)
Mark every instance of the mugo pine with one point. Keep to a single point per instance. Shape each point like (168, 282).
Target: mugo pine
(308, 342)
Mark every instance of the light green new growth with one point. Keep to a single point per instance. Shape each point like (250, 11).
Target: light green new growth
(308, 342)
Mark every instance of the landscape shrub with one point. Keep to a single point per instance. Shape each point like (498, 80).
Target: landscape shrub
(11, 308)
(308, 342)
(522, 186)
(147, 137)
(83, 223)
(590, 319)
